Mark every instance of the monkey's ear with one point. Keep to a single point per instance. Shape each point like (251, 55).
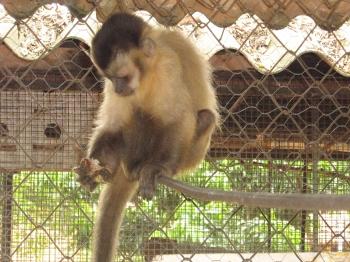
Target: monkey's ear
(148, 46)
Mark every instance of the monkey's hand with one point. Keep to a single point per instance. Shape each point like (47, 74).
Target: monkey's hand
(90, 173)
(148, 175)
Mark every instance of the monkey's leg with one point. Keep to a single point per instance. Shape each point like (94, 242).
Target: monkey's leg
(147, 170)
(165, 159)
(111, 205)
(102, 159)
(163, 162)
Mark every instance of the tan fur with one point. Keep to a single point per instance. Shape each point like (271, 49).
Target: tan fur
(175, 86)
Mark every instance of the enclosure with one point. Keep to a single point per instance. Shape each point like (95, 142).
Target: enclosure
(281, 73)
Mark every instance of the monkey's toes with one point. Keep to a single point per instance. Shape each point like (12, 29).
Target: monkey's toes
(148, 180)
(135, 174)
(147, 189)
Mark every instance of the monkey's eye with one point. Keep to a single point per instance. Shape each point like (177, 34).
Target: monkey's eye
(118, 79)
(125, 78)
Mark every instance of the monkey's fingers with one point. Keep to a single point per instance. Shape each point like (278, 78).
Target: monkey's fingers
(96, 171)
(87, 182)
(103, 175)
(91, 165)
(85, 174)
(82, 169)
(80, 172)
(76, 169)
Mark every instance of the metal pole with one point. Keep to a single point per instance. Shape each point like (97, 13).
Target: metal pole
(269, 215)
(6, 225)
(315, 153)
(303, 212)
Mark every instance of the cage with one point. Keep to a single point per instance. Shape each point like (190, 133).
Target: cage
(282, 82)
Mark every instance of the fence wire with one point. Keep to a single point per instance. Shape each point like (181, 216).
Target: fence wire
(285, 128)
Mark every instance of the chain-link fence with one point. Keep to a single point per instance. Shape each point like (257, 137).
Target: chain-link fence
(284, 100)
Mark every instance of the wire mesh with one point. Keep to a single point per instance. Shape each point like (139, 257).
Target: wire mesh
(284, 129)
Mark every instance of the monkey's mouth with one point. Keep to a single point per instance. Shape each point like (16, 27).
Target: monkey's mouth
(124, 91)
(122, 86)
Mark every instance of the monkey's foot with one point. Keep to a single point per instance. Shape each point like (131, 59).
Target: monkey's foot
(90, 173)
(148, 180)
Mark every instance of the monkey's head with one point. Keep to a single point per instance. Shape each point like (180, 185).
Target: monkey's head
(120, 50)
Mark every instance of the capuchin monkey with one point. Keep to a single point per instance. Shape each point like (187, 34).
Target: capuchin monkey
(156, 119)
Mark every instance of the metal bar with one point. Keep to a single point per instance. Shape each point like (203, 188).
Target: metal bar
(294, 201)
(315, 153)
(6, 225)
(303, 213)
(269, 215)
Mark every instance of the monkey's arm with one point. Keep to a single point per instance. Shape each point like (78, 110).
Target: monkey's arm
(205, 122)
(103, 159)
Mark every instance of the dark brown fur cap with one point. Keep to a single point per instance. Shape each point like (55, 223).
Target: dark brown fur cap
(121, 31)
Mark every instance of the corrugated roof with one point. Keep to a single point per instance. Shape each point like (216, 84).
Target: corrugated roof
(328, 14)
(268, 50)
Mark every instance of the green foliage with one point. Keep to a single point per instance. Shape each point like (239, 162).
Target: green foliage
(50, 209)
(52, 204)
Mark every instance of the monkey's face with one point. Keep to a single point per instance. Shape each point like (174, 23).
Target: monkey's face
(124, 74)
(120, 50)
(123, 58)
(127, 68)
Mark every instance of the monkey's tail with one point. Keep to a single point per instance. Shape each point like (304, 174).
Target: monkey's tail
(112, 202)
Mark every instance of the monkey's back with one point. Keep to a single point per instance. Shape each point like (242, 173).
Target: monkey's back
(196, 70)
(196, 75)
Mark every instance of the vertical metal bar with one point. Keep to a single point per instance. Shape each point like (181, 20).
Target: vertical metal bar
(303, 212)
(315, 189)
(269, 214)
(315, 160)
(6, 225)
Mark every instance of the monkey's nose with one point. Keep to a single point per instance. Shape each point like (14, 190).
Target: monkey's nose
(122, 86)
